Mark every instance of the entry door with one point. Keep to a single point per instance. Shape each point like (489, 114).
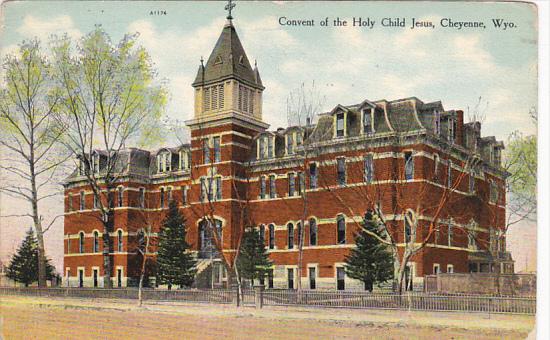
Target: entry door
(95, 277)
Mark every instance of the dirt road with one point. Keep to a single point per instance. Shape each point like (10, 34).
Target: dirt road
(42, 318)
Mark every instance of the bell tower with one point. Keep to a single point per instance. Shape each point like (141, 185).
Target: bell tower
(228, 83)
(227, 117)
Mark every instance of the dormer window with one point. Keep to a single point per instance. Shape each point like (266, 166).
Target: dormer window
(496, 156)
(164, 160)
(368, 118)
(452, 130)
(184, 159)
(95, 163)
(289, 144)
(437, 122)
(261, 147)
(340, 131)
(241, 60)
(270, 150)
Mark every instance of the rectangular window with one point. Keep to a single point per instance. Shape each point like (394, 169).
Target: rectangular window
(341, 229)
(436, 269)
(437, 122)
(367, 122)
(217, 150)
(203, 189)
(450, 269)
(340, 125)
(119, 277)
(162, 197)
(472, 182)
(270, 147)
(312, 232)
(95, 278)
(299, 233)
(218, 188)
(369, 168)
(96, 202)
(206, 151)
(184, 195)
(221, 101)
(450, 174)
(291, 184)
(289, 144)
(262, 187)
(214, 90)
(409, 166)
(313, 175)
(261, 148)
(290, 277)
(169, 194)
(407, 229)
(452, 130)
(272, 187)
(450, 234)
(262, 234)
(270, 279)
(70, 202)
(290, 232)
(240, 103)
(210, 189)
(493, 192)
(271, 242)
(340, 278)
(341, 170)
(245, 99)
(312, 277)
(120, 196)
(81, 278)
(206, 99)
(436, 166)
(142, 197)
(301, 183)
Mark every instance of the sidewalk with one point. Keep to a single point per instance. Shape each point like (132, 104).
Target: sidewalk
(470, 321)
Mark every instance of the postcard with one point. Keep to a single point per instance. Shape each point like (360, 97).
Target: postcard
(274, 169)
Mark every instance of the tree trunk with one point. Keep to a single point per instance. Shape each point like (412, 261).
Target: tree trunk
(108, 224)
(37, 223)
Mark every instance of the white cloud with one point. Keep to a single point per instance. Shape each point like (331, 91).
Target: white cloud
(35, 27)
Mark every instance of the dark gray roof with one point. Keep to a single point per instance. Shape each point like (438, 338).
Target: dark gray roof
(228, 60)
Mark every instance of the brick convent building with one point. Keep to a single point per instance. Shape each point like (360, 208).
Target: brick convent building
(399, 156)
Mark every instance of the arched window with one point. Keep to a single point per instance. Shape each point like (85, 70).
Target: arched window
(369, 168)
(161, 197)
(409, 165)
(290, 230)
(81, 242)
(119, 240)
(409, 223)
(262, 233)
(120, 192)
(207, 245)
(341, 229)
(164, 161)
(96, 242)
(271, 242)
(299, 233)
(312, 232)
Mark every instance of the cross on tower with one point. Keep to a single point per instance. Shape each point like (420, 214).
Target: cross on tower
(229, 7)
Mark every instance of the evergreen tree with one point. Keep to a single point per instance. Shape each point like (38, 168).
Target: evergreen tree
(23, 267)
(175, 265)
(253, 261)
(370, 262)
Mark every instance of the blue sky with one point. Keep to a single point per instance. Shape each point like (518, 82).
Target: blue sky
(348, 64)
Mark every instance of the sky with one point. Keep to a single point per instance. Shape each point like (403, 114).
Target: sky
(347, 64)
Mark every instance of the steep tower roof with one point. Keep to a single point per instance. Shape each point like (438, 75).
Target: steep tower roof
(228, 60)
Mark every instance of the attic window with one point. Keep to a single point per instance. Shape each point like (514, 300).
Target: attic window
(367, 121)
(164, 160)
(218, 60)
(340, 125)
(241, 60)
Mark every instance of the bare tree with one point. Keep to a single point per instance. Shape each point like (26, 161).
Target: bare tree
(31, 136)
(110, 98)
(303, 106)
